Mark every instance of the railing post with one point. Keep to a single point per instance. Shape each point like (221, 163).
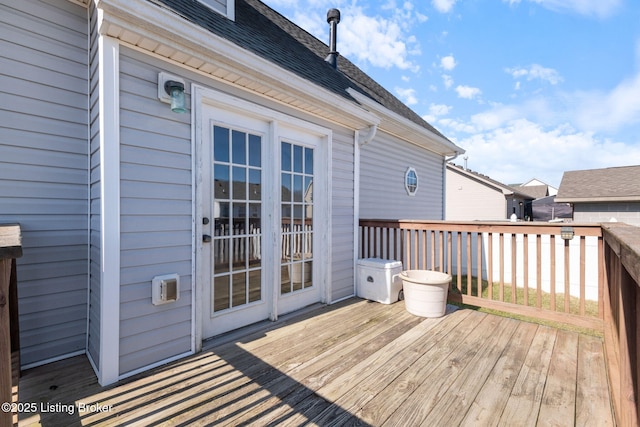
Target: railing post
(10, 249)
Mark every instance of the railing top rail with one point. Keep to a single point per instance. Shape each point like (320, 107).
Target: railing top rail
(580, 229)
(10, 241)
(624, 239)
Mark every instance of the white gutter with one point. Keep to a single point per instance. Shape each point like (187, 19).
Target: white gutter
(416, 134)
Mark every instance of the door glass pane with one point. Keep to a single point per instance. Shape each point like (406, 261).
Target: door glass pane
(221, 292)
(220, 144)
(239, 286)
(255, 151)
(255, 184)
(296, 271)
(238, 144)
(237, 196)
(239, 183)
(308, 161)
(286, 157)
(221, 182)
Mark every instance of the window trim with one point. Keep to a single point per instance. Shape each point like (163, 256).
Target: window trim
(407, 186)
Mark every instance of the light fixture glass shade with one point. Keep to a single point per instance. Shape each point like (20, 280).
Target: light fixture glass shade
(176, 91)
(567, 233)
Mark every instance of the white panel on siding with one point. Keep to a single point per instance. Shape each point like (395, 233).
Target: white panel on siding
(383, 163)
(156, 217)
(43, 168)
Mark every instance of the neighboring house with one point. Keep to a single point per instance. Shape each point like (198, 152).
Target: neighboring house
(147, 231)
(536, 188)
(472, 196)
(603, 195)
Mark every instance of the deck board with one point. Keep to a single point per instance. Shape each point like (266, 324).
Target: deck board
(354, 363)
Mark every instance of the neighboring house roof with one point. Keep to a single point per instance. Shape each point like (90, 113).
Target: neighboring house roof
(268, 34)
(618, 184)
(534, 191)
(496, 185)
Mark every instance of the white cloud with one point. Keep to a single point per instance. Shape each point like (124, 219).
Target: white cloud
(435, 111)
(521, 149)
(443, 6)
(388, 42)
(598, 8)
(467, 92)
(439, 109)
(536, 72)
(408, 96)
(447, 80)
(608, 111)
(448, 62)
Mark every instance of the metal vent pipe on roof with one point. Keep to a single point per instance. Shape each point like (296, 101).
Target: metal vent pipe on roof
(333, 18)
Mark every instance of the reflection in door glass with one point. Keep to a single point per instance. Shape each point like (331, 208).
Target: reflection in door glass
(237, 207)
(296, 272)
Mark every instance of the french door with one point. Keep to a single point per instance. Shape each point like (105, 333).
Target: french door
(260, 255)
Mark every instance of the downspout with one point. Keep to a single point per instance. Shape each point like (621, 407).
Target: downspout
(444, 183)
(361, 138)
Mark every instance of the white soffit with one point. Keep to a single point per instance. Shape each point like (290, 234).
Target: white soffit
(161, 32)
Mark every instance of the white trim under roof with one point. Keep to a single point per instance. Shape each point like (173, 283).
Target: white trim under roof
(600, 199)
(159, 31)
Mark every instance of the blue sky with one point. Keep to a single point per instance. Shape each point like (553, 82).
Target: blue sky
(529, 88)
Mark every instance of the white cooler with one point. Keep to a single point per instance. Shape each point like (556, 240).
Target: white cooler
(377, 279)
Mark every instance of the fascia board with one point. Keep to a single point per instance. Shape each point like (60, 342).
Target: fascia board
(439, 144)
(597, 199)
(168, 28)
(478, 178)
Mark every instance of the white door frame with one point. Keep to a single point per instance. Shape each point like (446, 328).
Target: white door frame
(202, 96)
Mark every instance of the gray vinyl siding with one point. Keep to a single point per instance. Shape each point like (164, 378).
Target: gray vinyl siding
(383, 163)
(471, 200)
(43, 169)
(342, 205)
(156, 217)
(628, 212)
(95, 255)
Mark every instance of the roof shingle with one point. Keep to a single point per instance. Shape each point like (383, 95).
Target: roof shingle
(265, 32)
(600, 185)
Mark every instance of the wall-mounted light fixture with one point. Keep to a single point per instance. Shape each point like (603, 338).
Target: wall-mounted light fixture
(171, 91)
(566, 233)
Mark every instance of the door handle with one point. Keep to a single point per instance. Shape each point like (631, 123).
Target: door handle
(206, 238)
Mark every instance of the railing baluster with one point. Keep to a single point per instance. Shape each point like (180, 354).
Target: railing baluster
(538, 270)
(501, 266)
(583, 296)
(459, 263)
(514, 260)
(490, 264)
(567, 272)
(552, 279)
(449, 252)
(525, 256)
(468, 241)
(479, 261)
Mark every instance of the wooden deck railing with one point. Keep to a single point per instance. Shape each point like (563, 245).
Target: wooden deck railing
(10, 249)
(522, 268)
(622, 318)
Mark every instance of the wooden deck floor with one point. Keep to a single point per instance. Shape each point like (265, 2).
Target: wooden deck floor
(354, 363)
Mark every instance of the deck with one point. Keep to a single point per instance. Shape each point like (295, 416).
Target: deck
(353, 363)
